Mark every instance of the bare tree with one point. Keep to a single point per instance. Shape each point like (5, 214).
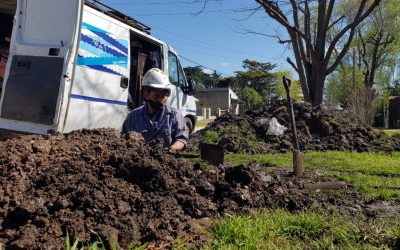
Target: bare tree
(376, 47)
(307, 23)
(373, 45)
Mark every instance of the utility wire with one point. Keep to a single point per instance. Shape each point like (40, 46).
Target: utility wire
(206, 45)
(227, 11)
(157, 3)
(208, 54)
(198, 64)
(167, 3)
(201, 44)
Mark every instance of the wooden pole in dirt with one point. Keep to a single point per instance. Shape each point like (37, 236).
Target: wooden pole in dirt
(297, 154)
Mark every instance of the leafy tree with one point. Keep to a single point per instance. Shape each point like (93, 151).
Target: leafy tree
(295, 88)
(376, 40)
(259, 77)
(342, 85)
(230, 82)
(196, 73)
(307, 28)
(202, 79)
(363, 76)
(212, 80)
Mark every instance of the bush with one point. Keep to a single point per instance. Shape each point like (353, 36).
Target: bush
(251, 97)
(210, 137)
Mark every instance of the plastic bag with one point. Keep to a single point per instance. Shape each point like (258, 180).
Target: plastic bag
(275, 128)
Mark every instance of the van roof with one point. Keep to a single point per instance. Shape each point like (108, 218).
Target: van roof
(9, 7)
(118, 15)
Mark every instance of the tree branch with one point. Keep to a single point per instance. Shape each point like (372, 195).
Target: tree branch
(276, 13)
(360, 16)
(292, 64)
(335, 22)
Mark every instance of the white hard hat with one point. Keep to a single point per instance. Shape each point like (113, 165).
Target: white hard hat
(157, 79)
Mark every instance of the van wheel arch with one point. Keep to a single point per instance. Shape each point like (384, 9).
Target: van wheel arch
(190, 124)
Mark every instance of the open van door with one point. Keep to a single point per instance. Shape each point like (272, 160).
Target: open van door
(99, 93)
(40, 67)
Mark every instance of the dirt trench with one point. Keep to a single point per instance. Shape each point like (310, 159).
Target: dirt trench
(94, 183)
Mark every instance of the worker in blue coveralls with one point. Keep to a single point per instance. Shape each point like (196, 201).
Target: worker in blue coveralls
(155, 119)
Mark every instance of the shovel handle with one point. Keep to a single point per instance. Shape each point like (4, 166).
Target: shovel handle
(286, 84)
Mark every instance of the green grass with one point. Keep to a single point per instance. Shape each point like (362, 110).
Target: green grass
(97, 245)
(280, 229)
(375, 186)
(370, 163)
(202, 123)
(390, 132)
(377, 175)
(210, 137)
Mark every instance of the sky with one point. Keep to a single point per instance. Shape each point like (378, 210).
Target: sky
(218, 38)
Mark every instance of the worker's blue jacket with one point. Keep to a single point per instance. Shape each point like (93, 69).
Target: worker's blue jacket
(167, 124)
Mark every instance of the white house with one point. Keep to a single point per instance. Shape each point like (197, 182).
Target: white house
(219, 100)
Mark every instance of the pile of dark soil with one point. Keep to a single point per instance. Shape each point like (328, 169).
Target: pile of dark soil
(129, 192)
(318, 129)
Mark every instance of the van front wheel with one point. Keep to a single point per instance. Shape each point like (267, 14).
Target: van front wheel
(189, 125)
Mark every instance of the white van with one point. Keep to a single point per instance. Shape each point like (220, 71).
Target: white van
(75, 64)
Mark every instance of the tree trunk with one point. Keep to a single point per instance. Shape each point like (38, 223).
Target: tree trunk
(316, 84)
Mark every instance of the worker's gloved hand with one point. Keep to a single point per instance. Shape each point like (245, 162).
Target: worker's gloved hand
(177, 147)
(173, 150)
(170, 150)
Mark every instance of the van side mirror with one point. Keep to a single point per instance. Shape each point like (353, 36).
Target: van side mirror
(189, 88)
(192, 87)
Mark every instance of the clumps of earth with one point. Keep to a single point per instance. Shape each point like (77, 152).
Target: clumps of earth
(317, 129)
(98, 183)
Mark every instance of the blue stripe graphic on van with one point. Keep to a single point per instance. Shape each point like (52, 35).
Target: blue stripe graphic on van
(101, 68)
(93, 50)
(103, 51)
(101, 61)
(94, 99)
(112, 41)
(191, 111)
(92, 28)
(100, 46)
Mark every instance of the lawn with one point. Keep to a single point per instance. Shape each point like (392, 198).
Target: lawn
(280, 229)
(375, 174)
(390, 132)
(202, 123)
(315, 229)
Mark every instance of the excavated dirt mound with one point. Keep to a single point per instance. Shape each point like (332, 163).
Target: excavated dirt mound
(318, 129)
(129, 192)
